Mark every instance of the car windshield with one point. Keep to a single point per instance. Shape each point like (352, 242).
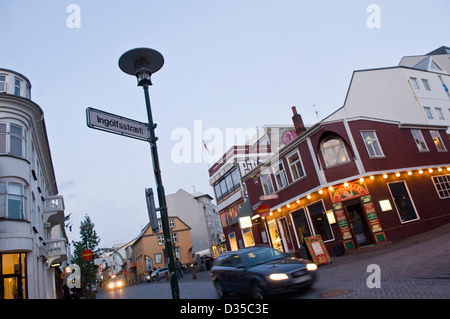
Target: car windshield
(263, 255)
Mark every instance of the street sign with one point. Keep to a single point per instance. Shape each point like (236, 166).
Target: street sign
(116, 124)
(263, 210)
(87, 254)
(268, 197)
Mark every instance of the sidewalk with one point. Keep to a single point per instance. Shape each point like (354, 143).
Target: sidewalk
(418, 267)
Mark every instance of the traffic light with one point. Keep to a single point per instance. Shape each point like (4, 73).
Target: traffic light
(151, 209)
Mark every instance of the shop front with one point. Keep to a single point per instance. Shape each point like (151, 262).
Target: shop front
(356, 216)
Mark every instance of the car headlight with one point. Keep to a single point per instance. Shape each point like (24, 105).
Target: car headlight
(311, 266)
(111, 285)
(119, 284)
(278, 277)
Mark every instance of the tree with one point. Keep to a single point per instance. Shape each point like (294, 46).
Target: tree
(89, 240)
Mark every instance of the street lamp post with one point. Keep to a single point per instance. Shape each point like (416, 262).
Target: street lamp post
(143, 62)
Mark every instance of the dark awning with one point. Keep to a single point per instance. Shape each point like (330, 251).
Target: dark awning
(245, 211)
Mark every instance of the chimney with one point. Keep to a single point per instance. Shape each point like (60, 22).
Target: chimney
(298, 122)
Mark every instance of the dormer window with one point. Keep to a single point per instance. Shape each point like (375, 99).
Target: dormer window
(334, 152)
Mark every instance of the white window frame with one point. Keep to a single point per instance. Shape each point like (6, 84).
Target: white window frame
(435, 135)
(3, 84)
(371, 143)
(171, 223)
(338, 161)
(295, 166)
(8, 195)
(8, 135)
(17, 86)
(428, 112)
(266, 174)
(174, 237)
(414, 83)
(160, 240)
(443, 184)
(410, 197)
(426, 84)
(439, 113)
(279, 173)
(419, 138)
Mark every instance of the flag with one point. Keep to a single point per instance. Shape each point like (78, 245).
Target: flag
(206, 148)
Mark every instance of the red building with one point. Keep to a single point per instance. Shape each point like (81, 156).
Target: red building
(355, 182)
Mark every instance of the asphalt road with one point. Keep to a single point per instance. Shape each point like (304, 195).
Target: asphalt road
(417, 268)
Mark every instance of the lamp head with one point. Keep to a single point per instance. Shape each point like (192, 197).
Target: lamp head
(141, 62)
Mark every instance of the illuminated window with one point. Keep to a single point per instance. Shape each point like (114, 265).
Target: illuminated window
(13, 276)
(334, 152)
(438, 141)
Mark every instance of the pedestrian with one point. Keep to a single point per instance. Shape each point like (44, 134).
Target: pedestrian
(179, 268)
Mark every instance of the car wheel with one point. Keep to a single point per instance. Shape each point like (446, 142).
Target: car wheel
(256, 291)
(220, 290)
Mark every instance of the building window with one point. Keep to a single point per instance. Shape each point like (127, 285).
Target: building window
(160, 240)
(248, 237)
(266, 183)
(280, 175)
(420, 142)
(295, 166)
(334, 152)
(171, 223)
(414, 83)
(442, 184)
(158, 258)
(17, 84)
(233, 241)
(438, 141)
(12, 200)
(13, 276)
(426, 85)
(372, 144)
(227, 185)
(174, 237)
(428, 113)
(319, 221)
(15, 144)
(2, 83)
(403, 202)
(439, 113)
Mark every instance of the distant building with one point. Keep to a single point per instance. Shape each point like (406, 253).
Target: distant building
(225, 179)
(200, 214)
(149, 248)
(33, 242)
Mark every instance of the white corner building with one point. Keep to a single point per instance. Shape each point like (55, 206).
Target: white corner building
(416, 91)
(33, 242)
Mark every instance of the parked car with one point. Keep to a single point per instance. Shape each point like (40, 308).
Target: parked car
(261, 271)
(159, 273)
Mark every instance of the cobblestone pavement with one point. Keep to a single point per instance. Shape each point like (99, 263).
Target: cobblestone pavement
(416, 268)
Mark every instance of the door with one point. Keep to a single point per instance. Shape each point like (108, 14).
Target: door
(285, 235)
(358, 224)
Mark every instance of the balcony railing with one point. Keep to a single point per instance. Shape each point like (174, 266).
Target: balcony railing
(54, 210)
(57, 250)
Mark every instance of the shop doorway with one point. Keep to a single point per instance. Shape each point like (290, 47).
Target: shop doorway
(285, 235)
(358, 223)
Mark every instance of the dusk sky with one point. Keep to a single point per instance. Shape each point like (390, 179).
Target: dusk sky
(228, 64)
